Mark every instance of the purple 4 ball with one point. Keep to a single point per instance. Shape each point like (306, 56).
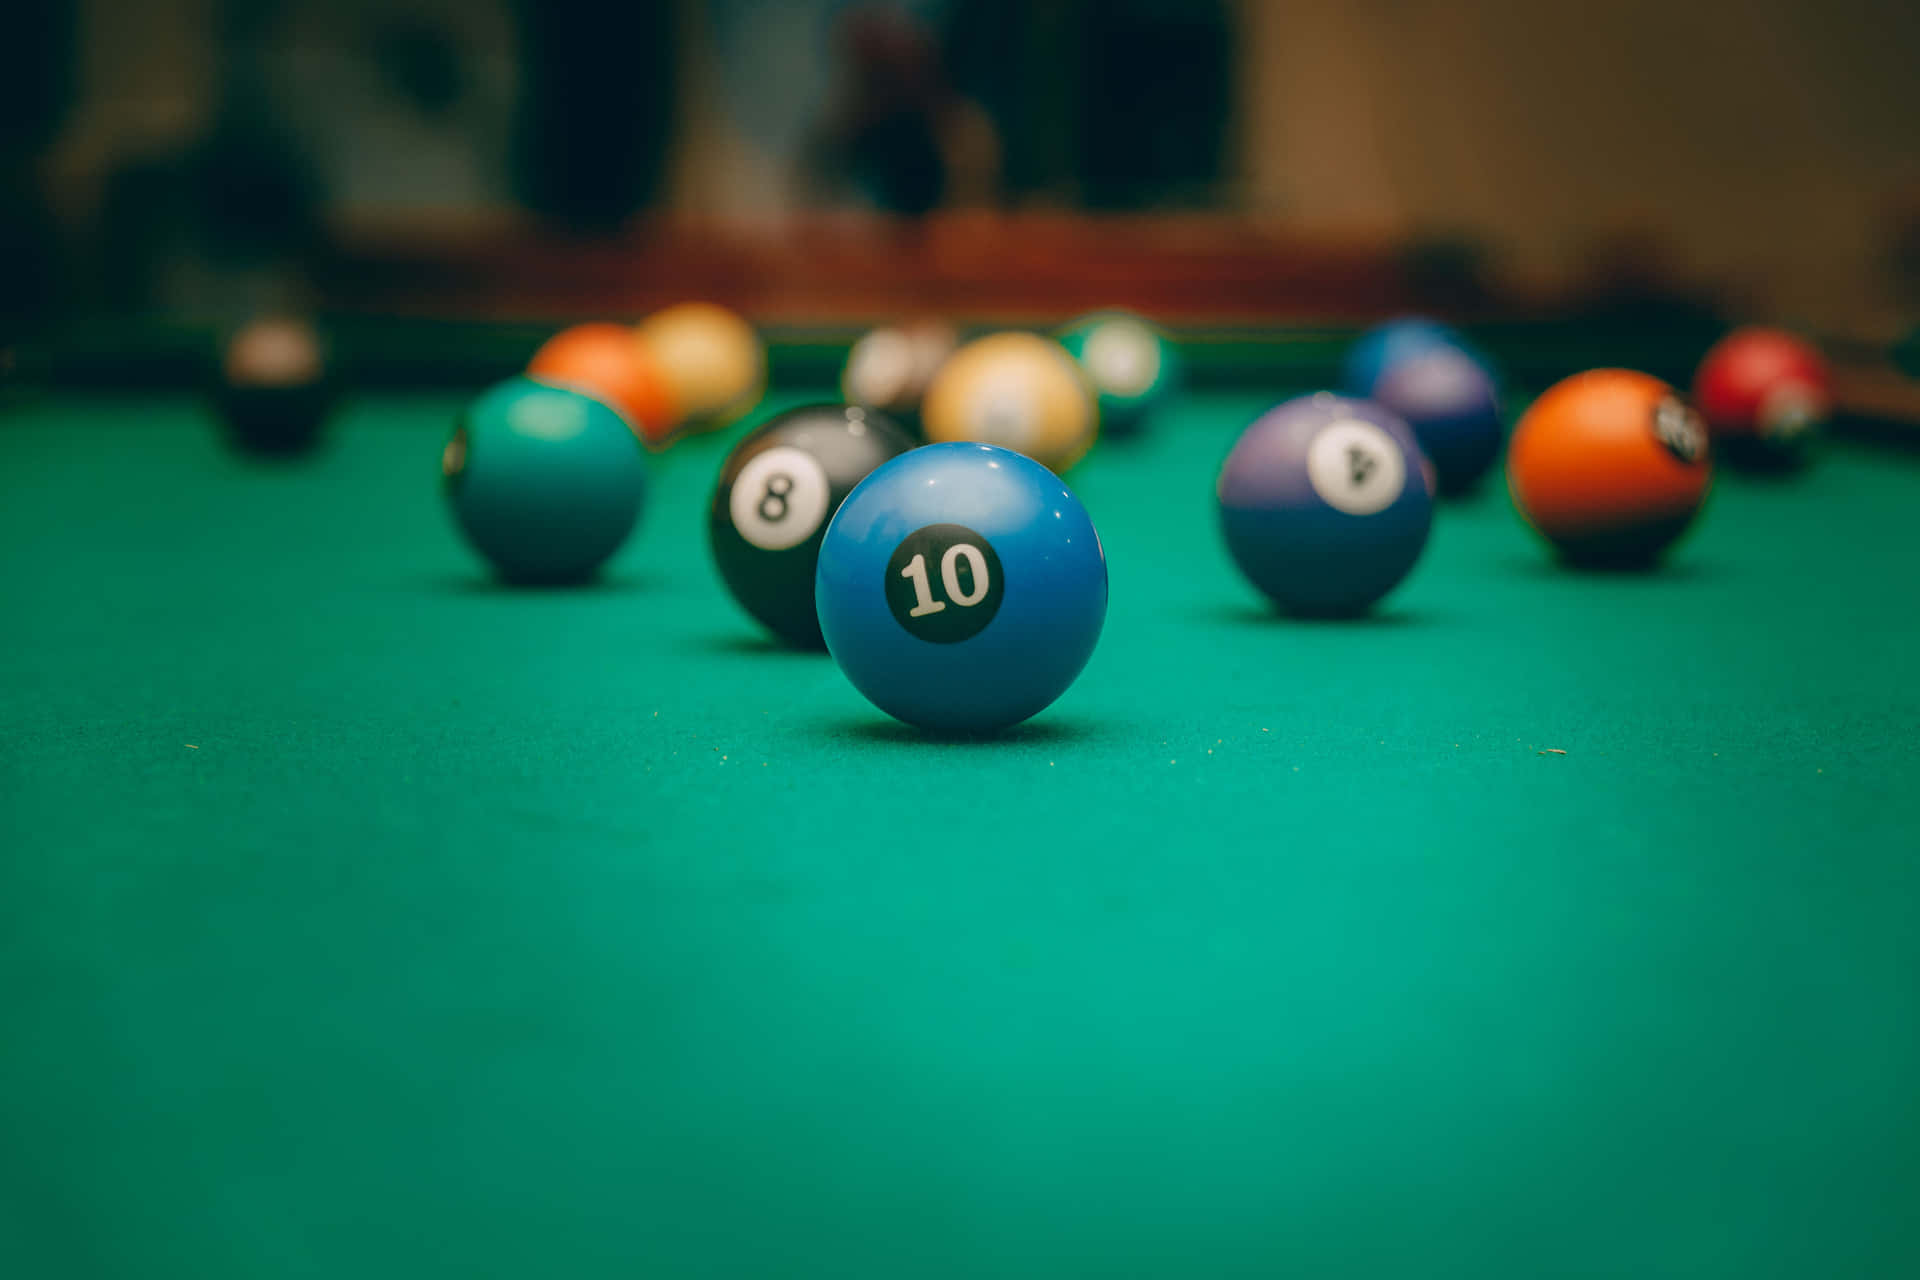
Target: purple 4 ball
(1326, 502)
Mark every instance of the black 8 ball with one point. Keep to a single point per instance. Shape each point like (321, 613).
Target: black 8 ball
(779, 488)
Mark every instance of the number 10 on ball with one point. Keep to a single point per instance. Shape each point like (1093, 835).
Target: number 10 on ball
(961, 587)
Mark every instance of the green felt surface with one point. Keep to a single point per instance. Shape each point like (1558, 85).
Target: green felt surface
(360, 918)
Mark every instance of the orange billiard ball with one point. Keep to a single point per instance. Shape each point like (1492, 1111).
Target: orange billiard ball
(607, 361)
(1610, 466)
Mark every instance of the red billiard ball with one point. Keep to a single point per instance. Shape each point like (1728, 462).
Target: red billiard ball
(1765, 395)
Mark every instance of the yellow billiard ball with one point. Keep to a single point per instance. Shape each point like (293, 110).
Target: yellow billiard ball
(713, 361)
(1019, 391)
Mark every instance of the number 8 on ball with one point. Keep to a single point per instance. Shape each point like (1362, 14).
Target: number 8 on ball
(777, 490)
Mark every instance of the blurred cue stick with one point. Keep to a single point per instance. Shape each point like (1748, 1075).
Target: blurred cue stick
(1878, 395)
(1871, 395)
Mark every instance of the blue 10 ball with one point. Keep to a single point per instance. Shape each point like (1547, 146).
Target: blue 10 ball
(1326, 502)
(961, 587)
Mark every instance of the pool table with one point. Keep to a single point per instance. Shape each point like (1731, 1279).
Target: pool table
(362, 917)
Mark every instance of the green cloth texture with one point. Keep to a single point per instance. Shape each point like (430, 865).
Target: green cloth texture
(362, 917)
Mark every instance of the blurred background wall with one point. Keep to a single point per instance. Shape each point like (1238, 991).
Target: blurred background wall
(1768, 149)
(1776, 140)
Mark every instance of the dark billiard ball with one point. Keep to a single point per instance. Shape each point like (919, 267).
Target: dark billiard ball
(275, 389)
(961, 588)
(1134, 367)
(1765, 395)
(1610, 466)
(544, 482)
(890, 368)
(1454, 409)
(1019, 391)
(779, 488)
(1325, 502)
(1382, 347)
(610, 361)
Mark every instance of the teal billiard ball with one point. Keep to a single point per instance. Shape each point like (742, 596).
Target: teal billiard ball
(544, 482)
(777, 491)
(961, 587)
(1134, 367)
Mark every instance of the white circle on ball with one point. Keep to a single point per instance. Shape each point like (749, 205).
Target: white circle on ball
(1356, 467)
(1123, 357)
(779, 498)
(1680, 429)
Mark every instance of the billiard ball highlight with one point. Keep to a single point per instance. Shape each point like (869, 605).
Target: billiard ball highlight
(1326, 503)
(1454, 409)
(890, 368)
(1382, 347)
(1133, 366)
(961, 587)
(1765, 395)
(714, 362)
(545, 482)
(1610, 466)
(610, 362)
(275, 390)
(1019, 391)
(777, 491)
